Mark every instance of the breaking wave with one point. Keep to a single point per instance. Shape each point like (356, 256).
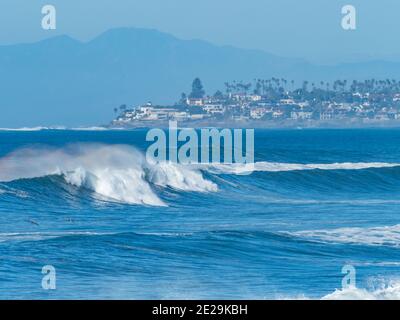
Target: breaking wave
(116, 172)
(121, 173)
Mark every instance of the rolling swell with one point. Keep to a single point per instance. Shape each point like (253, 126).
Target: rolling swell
(121, 173)
(326, 183)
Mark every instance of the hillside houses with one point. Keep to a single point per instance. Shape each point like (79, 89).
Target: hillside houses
(360, 102)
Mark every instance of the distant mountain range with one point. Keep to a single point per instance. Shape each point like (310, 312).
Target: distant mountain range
(61, 81)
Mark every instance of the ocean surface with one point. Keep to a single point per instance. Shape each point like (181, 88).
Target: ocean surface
(113, 226)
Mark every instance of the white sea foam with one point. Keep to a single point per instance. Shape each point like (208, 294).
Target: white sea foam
(33, 128)
(384, 291)
(23, 129)
(264, 166)
(377, 236)
(125, 185)
(14, 192)
(114, 171)
(180, 177)
(377, 289)
(38, 236)
(90, 129)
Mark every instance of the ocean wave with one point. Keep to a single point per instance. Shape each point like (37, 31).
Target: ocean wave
(117, 172)
(264, 166)
(376, 236)
(121, 173)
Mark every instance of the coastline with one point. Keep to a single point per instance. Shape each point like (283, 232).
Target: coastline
(257, 124)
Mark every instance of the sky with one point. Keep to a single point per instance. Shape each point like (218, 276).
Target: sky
(309, 29)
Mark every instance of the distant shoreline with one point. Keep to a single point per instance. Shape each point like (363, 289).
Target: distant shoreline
(287, 124)
(261, 125)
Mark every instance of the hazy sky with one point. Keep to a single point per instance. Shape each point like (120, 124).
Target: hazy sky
(308, 28)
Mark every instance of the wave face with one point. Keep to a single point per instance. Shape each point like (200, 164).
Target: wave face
(116, 227)
(121, 172)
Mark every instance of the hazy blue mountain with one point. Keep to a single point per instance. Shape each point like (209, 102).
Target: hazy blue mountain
(61, 81)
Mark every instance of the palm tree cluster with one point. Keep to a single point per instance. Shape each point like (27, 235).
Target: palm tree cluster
(338, 90)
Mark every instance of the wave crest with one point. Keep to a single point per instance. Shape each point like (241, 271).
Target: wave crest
(264, 166)
(117, 172)
(120, 172)
(378, 236)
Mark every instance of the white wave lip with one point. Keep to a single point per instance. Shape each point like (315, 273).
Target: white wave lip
(377, 236)
(117, 172)
(264, 166)
(180, 177)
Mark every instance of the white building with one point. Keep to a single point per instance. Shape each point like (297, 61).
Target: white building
(301, 115)
(277, 114)
(255, 97)
(286, 101)
(214, 108)
(257, 113)
(194, 101)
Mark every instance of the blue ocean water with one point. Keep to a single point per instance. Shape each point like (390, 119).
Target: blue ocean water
(112, 227)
